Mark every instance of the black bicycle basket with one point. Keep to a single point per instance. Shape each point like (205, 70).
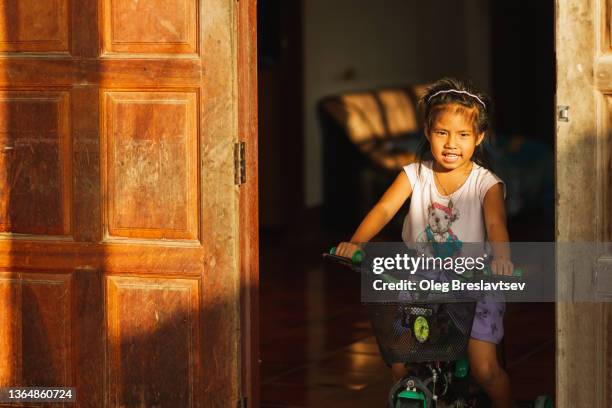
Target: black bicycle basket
(421, 332)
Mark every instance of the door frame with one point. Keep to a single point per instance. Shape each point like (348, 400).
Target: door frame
(584, 82)
(248, 201)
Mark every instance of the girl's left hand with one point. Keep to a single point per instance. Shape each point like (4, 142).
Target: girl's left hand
(502, 267)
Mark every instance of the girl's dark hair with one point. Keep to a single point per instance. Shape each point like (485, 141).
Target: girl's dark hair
(476, 102)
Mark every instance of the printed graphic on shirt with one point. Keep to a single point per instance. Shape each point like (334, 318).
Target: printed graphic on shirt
(438, 232)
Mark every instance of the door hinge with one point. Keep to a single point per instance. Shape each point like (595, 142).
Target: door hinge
(242, 402)
(240, 163)
(563, 113)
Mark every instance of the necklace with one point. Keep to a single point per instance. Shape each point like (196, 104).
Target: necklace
(450, 196)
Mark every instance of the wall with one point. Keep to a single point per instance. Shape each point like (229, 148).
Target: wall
(361, 44)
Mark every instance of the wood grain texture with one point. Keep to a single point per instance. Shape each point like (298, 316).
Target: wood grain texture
(607, 353)
(140, 256)
(35, 163)
(149, 165)
(605, 163)
(605, 13)
(37, 328)
(10, 329)
(146, 73)
(605, 166)
(46, 329)
(86, 162)
(581, 368)
(221, 281)
(153, 26)
(153, 355)
(173, 122)
(89, 336)
(85, 41)
(249, 194)
(35, 26)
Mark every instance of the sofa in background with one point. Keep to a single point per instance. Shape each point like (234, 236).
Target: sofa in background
(367, 138)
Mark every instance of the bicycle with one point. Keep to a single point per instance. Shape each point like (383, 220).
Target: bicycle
(431, 335)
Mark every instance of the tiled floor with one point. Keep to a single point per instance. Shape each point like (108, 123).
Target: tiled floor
(317, 348)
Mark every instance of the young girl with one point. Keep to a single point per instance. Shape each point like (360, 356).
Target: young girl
(455, 199)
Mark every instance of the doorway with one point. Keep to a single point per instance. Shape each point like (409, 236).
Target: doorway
(316, 343)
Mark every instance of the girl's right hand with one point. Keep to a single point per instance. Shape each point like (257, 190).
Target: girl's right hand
(347, 249)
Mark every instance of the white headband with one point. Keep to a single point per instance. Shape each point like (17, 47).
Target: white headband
(461, 92)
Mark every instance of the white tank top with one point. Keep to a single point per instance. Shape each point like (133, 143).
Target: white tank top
(430, 219)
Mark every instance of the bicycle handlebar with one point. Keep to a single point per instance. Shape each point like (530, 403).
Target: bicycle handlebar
(357, 257)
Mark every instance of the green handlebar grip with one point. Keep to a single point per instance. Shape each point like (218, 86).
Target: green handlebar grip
(357, 257)
(517, 272)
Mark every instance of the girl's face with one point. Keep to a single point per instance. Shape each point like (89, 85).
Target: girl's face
(453, 137)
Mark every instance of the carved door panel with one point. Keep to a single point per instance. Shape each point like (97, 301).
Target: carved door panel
(584, 186)
(118, 209)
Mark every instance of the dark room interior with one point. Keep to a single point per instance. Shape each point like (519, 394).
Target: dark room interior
(317, 182)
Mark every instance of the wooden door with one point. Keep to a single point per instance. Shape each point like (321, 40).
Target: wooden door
(119, 213)
(584, 206)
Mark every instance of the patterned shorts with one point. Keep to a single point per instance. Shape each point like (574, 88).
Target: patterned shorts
(489, 320)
